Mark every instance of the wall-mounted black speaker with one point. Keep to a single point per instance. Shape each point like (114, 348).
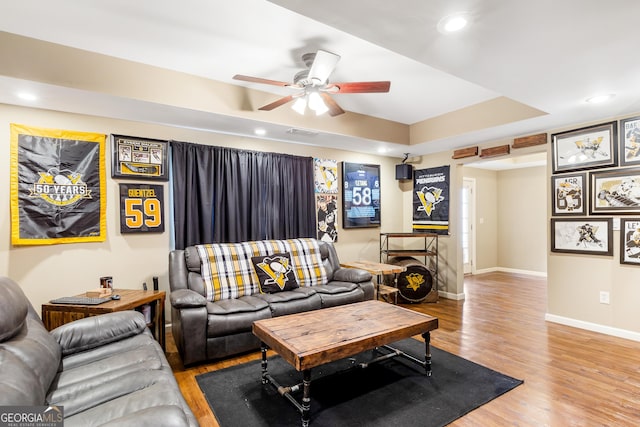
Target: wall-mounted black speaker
(404, 171)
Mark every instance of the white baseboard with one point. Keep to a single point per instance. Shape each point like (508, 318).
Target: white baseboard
(450, 295)
(594, 327)
(511, 270)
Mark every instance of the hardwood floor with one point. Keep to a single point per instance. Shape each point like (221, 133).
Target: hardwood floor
(572, 377)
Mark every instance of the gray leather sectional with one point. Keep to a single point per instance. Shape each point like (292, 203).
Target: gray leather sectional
(205, 330)
(102, 370)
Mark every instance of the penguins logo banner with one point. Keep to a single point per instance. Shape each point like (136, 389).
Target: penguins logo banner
(57, 186)
(431, 200)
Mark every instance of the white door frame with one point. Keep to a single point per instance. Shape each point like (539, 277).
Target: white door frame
(470, 183)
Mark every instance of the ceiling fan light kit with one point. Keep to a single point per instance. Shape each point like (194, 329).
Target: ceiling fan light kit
(314, 85)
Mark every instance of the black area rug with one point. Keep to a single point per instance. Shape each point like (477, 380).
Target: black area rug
(395, 392)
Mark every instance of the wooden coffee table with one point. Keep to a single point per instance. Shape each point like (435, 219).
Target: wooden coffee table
(310, 339)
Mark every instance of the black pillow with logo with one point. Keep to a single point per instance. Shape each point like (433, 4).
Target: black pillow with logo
(275, 273)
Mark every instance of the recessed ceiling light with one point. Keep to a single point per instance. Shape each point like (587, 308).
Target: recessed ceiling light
(260, 131)
(26, 96)
(382, 150)
(453, 23)
(600, 98)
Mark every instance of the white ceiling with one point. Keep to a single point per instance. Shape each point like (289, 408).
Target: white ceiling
(548, 54)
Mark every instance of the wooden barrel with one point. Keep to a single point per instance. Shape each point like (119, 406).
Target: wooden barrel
(415, 284)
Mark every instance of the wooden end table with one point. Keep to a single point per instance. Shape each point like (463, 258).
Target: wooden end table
(312, 338)
(379, 269)
(54, 315)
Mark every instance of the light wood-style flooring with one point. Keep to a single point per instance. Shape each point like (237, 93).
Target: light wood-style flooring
(572, 377)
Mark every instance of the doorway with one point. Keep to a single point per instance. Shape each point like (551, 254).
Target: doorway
(468, 206)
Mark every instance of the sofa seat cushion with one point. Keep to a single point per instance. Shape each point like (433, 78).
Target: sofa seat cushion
(227, 317)
(335, 287)
(339, 293)
(295, 301)
(154, 392)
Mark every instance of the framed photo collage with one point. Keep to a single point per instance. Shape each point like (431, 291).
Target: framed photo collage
(596, 175)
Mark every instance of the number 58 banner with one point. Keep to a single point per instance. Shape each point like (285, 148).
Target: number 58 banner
(141, 208)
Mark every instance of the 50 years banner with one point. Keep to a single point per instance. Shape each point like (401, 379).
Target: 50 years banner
(57, 186)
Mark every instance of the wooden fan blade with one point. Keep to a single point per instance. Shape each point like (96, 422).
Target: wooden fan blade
(332, 105)
(260, 80)
(322, 67)
(361, 87)
(277, 103)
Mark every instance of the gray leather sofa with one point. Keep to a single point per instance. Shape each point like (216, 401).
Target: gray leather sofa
(205, 330)
(103, 370)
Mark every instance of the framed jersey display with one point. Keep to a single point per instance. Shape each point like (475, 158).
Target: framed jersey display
(361, 195)
(141, 208)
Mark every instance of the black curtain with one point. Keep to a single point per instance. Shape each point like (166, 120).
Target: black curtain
(228, 195)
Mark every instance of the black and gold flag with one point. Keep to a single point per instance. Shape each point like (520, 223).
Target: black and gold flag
(431, 200)
(57, 186)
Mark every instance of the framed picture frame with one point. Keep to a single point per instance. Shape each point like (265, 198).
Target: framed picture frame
(139, 158)
(630, 241)
(585, 148)
(615, 192)
(360, 195)
(587, 236)
(630, 141)
(569, 194)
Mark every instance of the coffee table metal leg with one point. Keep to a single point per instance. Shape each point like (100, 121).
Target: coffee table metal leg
(306, 397)
(263, 364)
(427, 353)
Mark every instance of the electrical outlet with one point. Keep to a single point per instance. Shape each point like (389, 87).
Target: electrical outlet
(604, 297)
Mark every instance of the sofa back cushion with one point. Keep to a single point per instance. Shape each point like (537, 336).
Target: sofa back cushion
(227, 270)
(13, 309)
(29, 356)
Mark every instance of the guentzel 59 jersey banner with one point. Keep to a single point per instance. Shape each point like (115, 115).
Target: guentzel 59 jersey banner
(57, 186)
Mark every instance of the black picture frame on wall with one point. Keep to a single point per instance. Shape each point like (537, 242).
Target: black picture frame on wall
(630, 141)
(585, 148)
(589, 236)
(630, 241)
(133, 157)
(615, 192)
(360, 195)
(569, 194)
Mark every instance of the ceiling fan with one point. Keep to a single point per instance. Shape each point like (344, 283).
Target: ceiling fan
(314, 88)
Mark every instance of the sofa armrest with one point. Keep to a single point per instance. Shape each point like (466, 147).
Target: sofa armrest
(95, 331)
(185, 298)
(353, 275)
